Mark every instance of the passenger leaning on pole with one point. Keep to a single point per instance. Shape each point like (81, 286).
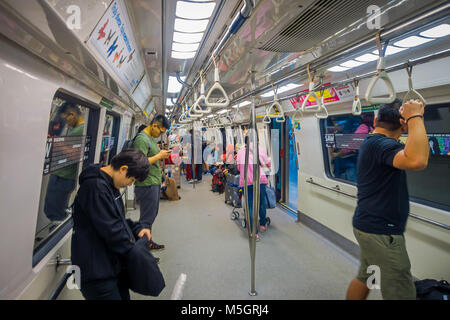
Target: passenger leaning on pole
(383, 203)
(148, 191)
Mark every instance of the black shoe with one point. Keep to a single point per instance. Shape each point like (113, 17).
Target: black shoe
(155, 246)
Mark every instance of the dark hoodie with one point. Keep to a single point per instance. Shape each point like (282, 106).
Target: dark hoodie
(100, 240)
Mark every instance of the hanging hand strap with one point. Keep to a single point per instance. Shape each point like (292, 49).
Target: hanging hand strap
(217, 86)
(298, 113)
(381, 74)
(201, 99)
(356, 107)
(311, 93)
(321, 103)
(412, 94)
(279, 116)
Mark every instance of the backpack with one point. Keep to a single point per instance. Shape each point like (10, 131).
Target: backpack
(430, 289)
(129, 143)
(218, 182)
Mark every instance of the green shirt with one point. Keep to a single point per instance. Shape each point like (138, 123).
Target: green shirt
(70, 172)
(154, 177)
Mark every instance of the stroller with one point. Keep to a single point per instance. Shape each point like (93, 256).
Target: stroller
(235, 194)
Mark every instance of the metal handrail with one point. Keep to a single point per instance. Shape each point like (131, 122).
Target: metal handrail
(60, 286)
(338, 190)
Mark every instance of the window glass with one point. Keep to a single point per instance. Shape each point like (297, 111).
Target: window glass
(343, 134)
(66, 148)
(433, 183)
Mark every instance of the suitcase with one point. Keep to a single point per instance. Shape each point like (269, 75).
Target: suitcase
(232, 191)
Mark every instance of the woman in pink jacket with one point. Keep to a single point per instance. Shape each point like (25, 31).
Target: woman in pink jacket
(263, 160)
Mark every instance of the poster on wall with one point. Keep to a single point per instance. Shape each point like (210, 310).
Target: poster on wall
(113, 40)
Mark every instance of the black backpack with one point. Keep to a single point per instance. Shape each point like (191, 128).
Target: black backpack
(129, 143)
(430, 289)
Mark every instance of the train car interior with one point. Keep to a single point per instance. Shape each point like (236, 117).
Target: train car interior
(298, 82)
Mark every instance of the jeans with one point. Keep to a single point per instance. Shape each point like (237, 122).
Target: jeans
(148, 200)
(262, 205)
(107, 289)
(57, 197)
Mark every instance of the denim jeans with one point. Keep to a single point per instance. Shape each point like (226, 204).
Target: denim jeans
(262, 204)
(107, 289)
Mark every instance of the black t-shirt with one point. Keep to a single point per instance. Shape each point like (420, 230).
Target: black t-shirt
(383, 201)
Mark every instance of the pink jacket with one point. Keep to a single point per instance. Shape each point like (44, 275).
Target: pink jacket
(263, 159)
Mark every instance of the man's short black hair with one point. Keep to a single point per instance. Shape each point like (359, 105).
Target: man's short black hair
(389, 116)
(137, 162)
(162, 121)
(67, 107)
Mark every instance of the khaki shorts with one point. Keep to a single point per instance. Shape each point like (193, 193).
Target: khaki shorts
(388, 252)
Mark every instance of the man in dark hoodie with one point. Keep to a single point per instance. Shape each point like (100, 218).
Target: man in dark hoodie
(100, 240)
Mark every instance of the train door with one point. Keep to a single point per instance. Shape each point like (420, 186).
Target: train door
(292, 172)
(72, 127)
(109, 138)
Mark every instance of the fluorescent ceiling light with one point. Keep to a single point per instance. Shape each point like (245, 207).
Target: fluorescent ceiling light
(351, 64)
(245, 103)
(337, 69)
(187, 37)
(367, 57)
(437, 32)
(192, 10)
(412, 42)
(268, 94)
(190, 25)
(183, 55)
(222, 111)
(210, 116)
(174, 86)
(185, 47)
(391, 50)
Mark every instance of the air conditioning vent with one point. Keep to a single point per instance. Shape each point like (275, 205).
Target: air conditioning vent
(318, 22)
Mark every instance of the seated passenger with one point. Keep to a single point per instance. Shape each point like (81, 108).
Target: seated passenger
(383, 203)
(264, 160)
(100, 240)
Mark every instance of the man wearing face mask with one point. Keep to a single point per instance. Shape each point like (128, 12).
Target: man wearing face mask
(383, 201)
(148, 191)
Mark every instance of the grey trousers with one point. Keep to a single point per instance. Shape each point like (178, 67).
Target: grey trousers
(148, 200)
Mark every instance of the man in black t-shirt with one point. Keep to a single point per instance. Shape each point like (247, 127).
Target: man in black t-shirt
(383, 202)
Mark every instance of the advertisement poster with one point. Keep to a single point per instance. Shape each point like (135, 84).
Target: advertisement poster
(113, 40)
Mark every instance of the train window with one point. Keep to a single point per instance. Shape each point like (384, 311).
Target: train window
(342, 135)
(432, 185)
(66, 149)
(109, 138)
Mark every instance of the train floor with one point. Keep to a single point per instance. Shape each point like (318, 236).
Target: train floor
(292, 261)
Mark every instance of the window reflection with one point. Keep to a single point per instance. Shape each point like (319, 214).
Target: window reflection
(66, 148)
(344, 136)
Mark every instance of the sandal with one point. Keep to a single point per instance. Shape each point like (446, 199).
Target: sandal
(155, 246)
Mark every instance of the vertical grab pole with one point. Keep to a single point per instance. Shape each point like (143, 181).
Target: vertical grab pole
(256, 191)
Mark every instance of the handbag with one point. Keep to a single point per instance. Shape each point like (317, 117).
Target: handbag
(144, 276)
(271, 197)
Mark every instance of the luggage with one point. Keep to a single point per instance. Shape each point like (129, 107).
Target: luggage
(430, 289)
(173, 171)
(233, 194)
(218, 181)
(271, 198)
(171, 191)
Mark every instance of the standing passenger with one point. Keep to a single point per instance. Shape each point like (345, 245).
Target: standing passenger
(263, 160)
(383, 202)
(148, 191)
(100, 240)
